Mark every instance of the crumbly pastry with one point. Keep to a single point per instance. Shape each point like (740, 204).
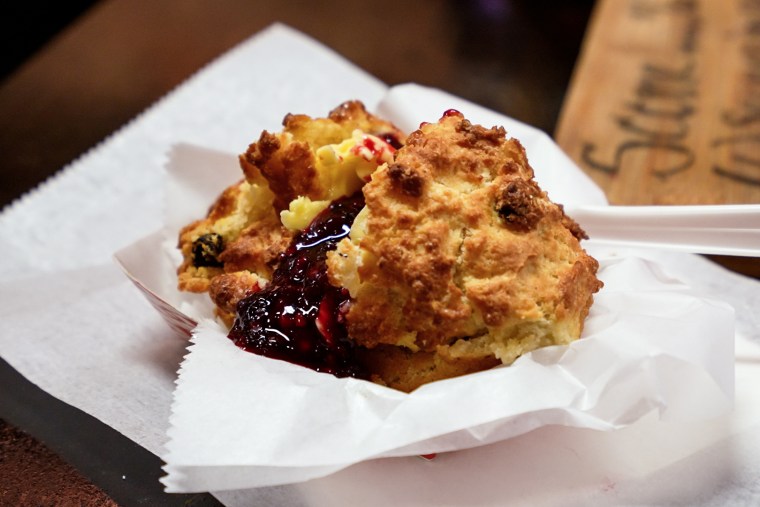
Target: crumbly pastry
(459, 259)
(352, 252)
(289, 177)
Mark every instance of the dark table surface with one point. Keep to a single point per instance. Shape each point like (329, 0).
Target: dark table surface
(71, 80)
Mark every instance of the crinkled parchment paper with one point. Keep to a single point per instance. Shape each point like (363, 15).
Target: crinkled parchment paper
(651, 345)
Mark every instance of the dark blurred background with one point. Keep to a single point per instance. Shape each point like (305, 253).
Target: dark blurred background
(74, 74)
(27, 26)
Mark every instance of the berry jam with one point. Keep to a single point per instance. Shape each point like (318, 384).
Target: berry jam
(299, 317)
(392, 139)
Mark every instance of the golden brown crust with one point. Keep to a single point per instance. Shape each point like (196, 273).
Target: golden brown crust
(196, 278)
(461, 255)
(290, 171)
(242, 216)
(257, 248)
(401, 369)
(227, 289)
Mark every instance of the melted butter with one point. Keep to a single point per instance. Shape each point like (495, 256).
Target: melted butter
(343, 168)
(301, 212)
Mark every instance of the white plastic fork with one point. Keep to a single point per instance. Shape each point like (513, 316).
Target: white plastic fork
(730, 229)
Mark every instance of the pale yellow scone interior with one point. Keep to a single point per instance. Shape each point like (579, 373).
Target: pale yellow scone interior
(459, 261)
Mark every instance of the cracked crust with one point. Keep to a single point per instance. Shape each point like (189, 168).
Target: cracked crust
(288, 159)
(247, 233)
(227, 289)
(460, 255)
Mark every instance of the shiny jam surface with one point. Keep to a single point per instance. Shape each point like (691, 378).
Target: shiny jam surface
(300, 317)
(392, 140)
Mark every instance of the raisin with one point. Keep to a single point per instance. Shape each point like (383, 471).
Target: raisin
(206, 250)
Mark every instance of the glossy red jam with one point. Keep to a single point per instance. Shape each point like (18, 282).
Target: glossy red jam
(299, 316)
(392, 139)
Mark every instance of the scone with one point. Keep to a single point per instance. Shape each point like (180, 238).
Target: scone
(352, 252)
(459, 260)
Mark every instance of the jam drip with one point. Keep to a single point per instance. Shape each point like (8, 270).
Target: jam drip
(392, 139)
(299, 316)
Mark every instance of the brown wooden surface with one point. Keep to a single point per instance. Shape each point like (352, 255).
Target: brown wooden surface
(664, 105)
(33, 475)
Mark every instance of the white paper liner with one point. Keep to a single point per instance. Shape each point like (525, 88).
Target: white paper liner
(651, 345)
(241, 420)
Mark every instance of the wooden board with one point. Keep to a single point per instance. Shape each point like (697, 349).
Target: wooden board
(664, 104)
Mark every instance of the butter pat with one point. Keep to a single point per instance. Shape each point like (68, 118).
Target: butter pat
(301, 212)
